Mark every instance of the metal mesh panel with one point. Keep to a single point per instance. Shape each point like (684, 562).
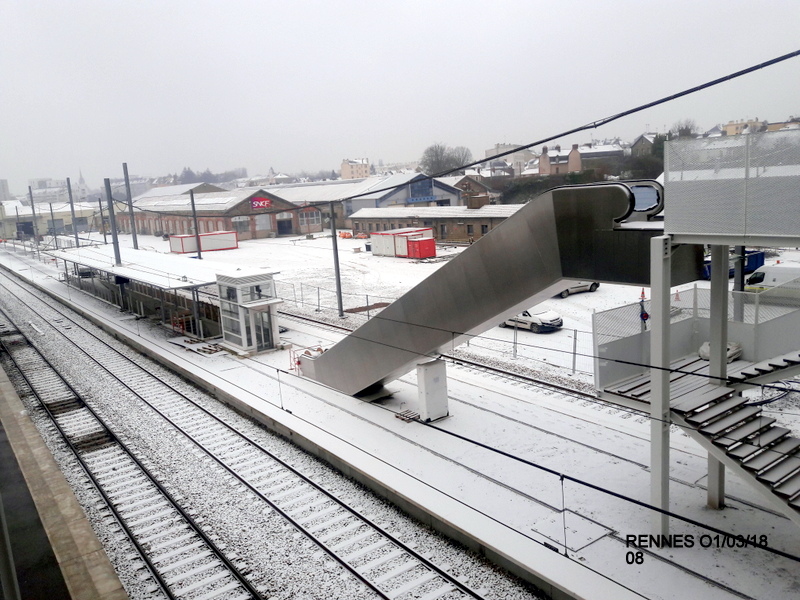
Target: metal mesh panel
(734, 185)
(626, 321)
(622, 322)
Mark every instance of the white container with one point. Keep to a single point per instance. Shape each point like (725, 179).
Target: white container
(217, 240)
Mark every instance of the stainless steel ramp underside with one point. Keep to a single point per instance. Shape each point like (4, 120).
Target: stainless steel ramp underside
(567, 234)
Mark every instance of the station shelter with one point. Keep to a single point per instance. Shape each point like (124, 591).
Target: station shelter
(179, 292)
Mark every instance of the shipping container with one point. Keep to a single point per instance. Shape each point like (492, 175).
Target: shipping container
(394, 242)
(422, 248)
(217, 240)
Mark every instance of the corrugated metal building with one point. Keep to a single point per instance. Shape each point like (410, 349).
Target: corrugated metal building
(449, 223)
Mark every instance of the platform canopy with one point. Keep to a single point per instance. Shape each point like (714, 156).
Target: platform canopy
(166, 271)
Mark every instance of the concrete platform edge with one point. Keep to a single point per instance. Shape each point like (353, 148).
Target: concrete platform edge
(556, 575)
(86, 569)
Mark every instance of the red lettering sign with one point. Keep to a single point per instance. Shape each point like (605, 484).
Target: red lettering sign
(256, 203)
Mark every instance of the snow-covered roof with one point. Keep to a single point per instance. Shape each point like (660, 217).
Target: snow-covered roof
(208, 202)
(600, 150)
(391, 182)
(490, 211)
(167, 271)
(322, 191)
(168, 190)
(13, 207)
(327, 191)
(451, 180)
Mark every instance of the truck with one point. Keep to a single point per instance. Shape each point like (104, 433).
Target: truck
(753, 259)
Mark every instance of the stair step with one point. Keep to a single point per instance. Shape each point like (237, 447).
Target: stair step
(791, 358)
(731, 420)
(707, 395)
(790, 489)
(716, 410)
(781, 470)
(769, 437)
(739, 434)
(774, 454)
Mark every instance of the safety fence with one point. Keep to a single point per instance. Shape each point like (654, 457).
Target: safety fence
(566, 348)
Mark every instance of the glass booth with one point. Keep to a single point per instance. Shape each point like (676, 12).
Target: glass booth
(248, 311)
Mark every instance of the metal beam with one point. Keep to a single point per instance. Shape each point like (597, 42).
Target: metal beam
(718, 354)
(660, 261)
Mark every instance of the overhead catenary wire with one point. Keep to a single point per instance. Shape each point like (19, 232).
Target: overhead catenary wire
(587, 126)
(600, 122)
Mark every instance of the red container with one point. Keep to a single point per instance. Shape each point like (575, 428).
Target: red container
(422, 248)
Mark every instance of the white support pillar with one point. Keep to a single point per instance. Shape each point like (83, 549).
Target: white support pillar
(718, 358)
(660, 263)
(432, 386)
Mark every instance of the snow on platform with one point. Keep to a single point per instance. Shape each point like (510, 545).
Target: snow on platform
(573, 536)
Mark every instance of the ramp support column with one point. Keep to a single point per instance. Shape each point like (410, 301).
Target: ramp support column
(718, 358)
(432, 385)
(660, 263)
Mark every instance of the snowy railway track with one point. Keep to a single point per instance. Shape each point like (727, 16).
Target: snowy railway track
(375, 557)
(173, 552)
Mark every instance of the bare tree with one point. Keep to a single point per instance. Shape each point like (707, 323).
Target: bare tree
(685, 128)
(440, 158)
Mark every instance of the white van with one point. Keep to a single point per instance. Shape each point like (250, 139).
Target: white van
(770, 276)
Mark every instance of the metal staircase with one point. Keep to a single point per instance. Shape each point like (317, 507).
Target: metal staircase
(745, 441)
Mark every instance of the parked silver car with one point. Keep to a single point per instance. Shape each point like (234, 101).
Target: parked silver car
(548, 320)
(582, 286)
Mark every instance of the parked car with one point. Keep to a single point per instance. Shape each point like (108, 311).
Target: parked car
(582, 286)
(542, 322)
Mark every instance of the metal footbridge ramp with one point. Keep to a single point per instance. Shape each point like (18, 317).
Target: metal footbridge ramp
(599, 232)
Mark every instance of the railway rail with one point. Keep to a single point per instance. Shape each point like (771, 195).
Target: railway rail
(382, 562)
(180, 560)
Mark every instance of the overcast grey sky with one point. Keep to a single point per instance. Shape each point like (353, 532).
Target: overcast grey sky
(300, 85)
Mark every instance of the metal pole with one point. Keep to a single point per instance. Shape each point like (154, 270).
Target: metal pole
(336, 262)
(53, 220)
(514, 345)
(130, 205)
(72, 212)
(718, 359)
(196, 230)
(102, 221)
(16, 210)
(738, 283)
(112, 222)
(660, 266)
(198, 326)
(574, 349)
(35, 227)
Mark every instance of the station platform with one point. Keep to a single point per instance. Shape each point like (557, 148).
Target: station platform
(55, 550)
(567, 539)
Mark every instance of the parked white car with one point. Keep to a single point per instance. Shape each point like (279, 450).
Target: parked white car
(582, 286)
(542, 322)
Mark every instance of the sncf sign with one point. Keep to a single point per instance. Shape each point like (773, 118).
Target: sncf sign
(260, 203)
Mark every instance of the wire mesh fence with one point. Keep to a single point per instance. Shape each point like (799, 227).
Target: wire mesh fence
(569, 349)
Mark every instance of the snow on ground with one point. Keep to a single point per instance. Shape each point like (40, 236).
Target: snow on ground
(603, 445)
(306, 281)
